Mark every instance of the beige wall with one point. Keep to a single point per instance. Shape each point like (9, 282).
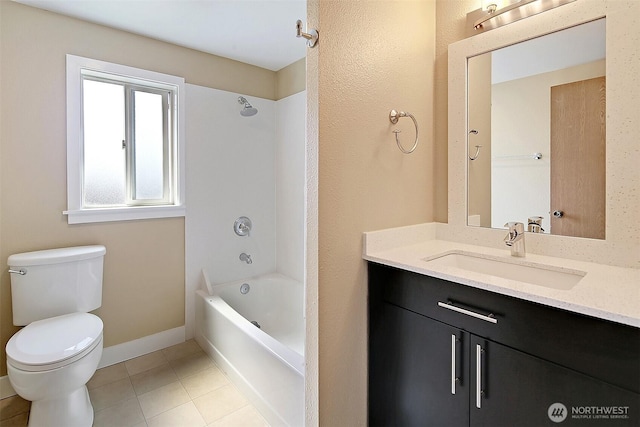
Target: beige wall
(374, 56)
(291, 79)
(144, 268)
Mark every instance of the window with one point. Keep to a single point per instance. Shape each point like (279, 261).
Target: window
(125, 153)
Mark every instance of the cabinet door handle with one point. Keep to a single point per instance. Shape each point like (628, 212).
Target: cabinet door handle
(453, 364)
(450, 306)
(479, 376)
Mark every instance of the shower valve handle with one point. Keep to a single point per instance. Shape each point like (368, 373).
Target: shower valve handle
(242, 226)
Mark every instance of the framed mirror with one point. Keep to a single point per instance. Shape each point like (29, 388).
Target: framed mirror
(536, 133)
(621, 243)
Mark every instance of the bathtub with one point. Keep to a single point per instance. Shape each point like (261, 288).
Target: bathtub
(267, 362)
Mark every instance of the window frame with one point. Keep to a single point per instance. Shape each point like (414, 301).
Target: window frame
(79, 68)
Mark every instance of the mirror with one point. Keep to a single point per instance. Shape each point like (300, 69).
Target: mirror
(536, 134)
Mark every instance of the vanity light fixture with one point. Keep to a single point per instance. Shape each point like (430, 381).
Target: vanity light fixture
(492, 16)
(491, 6)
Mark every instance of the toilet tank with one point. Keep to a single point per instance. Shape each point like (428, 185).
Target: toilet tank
(55, 282)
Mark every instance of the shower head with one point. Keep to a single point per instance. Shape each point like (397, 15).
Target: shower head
(248, 109)
(248, 112)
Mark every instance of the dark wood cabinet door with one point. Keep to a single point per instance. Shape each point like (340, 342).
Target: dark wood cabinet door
(410, 370)
(518, 389)
(536, 367)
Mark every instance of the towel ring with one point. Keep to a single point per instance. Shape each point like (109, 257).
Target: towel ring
(393, 118)
(475, 132)
(478, 147)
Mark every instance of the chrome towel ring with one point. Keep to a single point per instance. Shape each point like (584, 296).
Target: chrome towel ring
(478, 147)
(393, 118)
(475, 132)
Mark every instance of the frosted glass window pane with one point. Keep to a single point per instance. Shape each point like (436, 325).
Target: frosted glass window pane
(149, 146)
(104, 158)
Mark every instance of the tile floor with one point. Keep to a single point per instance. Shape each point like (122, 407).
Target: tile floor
(178, 386)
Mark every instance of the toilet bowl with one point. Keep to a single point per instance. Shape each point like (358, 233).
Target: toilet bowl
(50, 361)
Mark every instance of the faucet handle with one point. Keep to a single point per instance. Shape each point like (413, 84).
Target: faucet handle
(515, 238)
(516, 226)
(242, 226)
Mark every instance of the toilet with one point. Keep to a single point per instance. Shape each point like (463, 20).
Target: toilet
(52, 358)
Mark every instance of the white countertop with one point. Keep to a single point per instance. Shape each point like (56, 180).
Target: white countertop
(606, 292)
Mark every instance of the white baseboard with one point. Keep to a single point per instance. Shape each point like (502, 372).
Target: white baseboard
(128, 350)
(121, 352)
(5, 388)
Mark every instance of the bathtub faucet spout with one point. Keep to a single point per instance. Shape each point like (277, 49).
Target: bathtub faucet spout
(246, 258)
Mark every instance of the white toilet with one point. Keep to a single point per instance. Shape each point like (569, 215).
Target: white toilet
(50, 360)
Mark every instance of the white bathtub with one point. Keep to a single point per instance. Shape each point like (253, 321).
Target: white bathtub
(266, 363)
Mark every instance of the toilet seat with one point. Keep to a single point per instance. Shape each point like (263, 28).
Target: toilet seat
(55, 342)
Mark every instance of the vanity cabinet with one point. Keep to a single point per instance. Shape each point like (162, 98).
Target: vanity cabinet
(440, 365)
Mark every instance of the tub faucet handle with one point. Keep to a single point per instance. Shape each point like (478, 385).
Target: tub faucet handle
(246, 258)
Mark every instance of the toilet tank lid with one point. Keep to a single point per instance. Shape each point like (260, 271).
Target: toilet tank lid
(56, 256)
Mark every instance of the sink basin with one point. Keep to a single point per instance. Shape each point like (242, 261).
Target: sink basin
(507, 268)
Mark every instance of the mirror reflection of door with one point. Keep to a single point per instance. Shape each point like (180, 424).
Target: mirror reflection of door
(578, 159)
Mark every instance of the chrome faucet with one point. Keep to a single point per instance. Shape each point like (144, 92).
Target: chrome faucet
(515, 238)
(246, 258)
(535, 224)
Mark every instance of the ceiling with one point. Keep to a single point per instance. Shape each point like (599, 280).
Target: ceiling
(257, 32)
(556, 51)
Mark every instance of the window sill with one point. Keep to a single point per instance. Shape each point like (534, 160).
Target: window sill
(85, 216)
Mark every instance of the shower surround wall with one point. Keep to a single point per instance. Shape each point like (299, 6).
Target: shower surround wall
(290, 184)
(242, 166)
